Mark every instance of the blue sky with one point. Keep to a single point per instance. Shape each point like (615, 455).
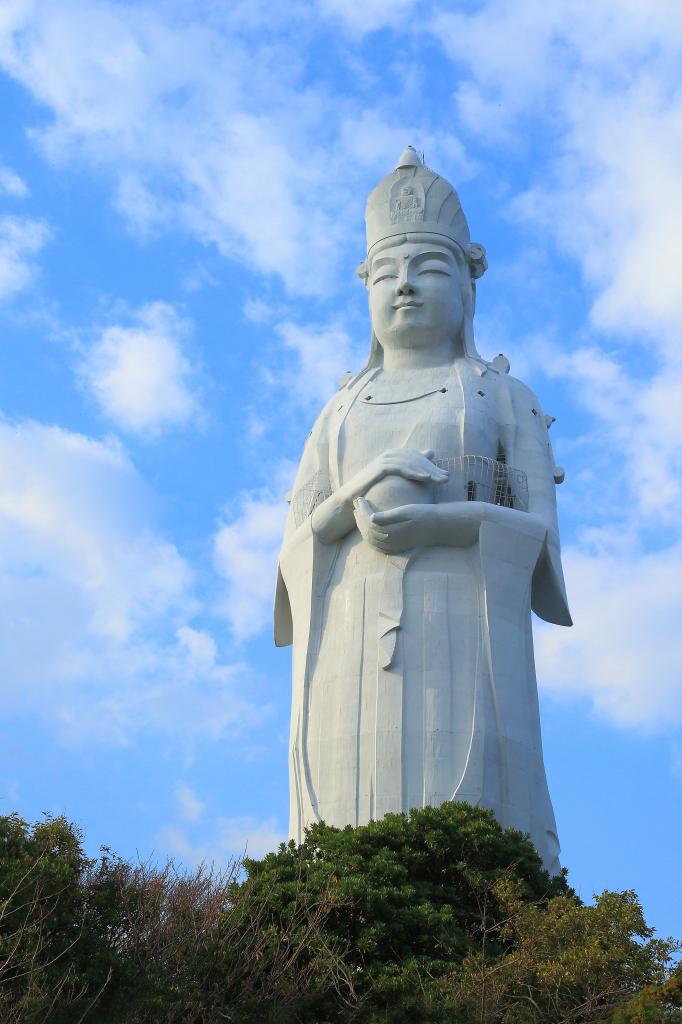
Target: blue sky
(182, 191)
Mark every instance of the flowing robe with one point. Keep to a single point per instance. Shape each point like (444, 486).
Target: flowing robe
(413, 675)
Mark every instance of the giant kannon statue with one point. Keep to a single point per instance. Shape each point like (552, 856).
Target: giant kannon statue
(422, 529)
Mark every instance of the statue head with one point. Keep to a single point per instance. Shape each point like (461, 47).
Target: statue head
(421, 266)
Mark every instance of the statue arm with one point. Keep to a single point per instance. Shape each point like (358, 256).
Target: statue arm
(333, 518)
(445, 524)
(336, 517)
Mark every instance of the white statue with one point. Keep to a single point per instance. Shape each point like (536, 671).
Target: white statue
(421, 531)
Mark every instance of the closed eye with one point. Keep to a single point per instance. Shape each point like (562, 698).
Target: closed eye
(434, 270)
(384, 277)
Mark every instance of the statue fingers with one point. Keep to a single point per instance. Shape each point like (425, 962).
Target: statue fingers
(363, 511)
(413, 465)
(389, 546)
(395, 546)
(363, 506)
(394, 515)
(384, 547)
(420, 476)
(380, 543)
(435, 475)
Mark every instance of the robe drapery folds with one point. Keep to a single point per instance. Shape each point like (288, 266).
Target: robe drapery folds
(413, 675)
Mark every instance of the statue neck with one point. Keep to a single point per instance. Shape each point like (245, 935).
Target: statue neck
(425, 357)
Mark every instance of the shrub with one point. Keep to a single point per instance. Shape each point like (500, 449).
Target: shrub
(436, 916)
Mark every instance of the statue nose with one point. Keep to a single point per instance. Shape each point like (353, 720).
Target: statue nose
(405, 287)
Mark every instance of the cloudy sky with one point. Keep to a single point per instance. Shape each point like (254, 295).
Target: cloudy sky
(181, 215)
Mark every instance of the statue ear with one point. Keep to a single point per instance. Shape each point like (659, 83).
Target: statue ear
(362, 270)
(477, 260)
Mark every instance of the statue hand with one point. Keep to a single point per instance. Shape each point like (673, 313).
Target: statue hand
(333, 519)
(409, 526)
(408, 463)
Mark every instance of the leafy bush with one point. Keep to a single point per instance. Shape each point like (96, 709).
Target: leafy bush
(436, 916)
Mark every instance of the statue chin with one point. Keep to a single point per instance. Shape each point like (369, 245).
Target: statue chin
(394, 491)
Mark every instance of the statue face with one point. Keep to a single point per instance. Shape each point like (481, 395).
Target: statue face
(414, 295)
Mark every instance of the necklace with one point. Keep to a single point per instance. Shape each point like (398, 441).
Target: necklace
(383, 391)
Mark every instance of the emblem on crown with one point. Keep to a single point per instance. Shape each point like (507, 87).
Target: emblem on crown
(407, 206)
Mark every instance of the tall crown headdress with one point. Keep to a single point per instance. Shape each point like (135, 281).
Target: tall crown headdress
(413, 198)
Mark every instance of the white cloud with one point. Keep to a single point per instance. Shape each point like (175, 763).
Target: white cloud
(257, 311)
(608, 74)
(523, 59)
(143, 210)
(370, 140)
(228, 839)
(213, 124)
(635, 444)
(21, 239)
(191, 808)
(623, 573)
(621, 653)
(69, 507)
(139, 375)
(175, 109)
(359, 19)
(322, 354)
(199, 648)
(248, 834)
(9, 794)
(11, 184)
(246, 546)
(245, 553)
(96, 632)
(198, 278)
(614, 203)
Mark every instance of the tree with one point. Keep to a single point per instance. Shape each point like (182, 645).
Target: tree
(562, 962)
(100, 939)
(655, 1004)
(403, 895)
(436, 916)
(447, 917)
(53, 951)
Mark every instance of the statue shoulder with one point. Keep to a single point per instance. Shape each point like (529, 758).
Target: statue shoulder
(521, 391)
(320, 427)
(529, 416)
(523, 397)
(498, 369)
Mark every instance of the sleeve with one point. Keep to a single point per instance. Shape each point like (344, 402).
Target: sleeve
(533, 454)
(314, 460)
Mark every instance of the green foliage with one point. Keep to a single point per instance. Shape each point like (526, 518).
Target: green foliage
(55, 914)
(436, 916)
(103, 940)
(402, 895)
(655, 1004)
(560, 961)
